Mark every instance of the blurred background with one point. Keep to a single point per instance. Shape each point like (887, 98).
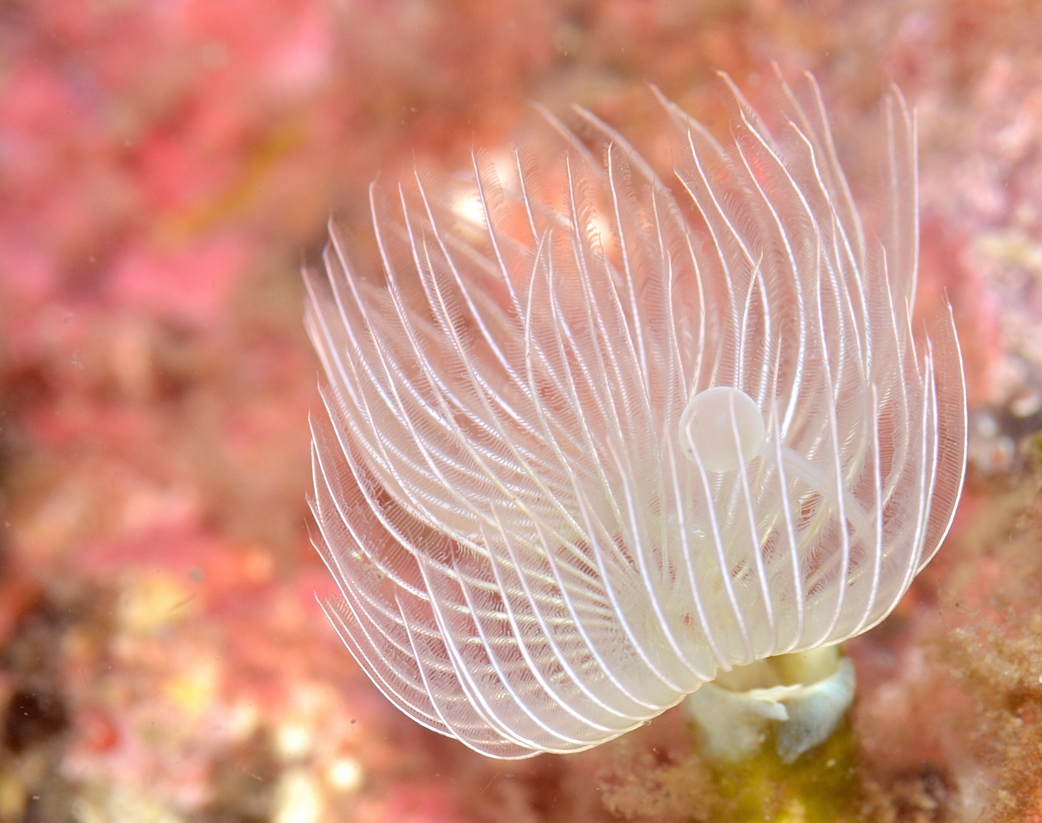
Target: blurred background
(165, 168)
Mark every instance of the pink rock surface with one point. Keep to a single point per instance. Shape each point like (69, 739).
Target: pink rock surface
(164, 167)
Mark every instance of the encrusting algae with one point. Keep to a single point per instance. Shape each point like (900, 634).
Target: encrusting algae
(993, 642)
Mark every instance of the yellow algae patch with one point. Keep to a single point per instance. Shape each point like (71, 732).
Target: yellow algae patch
(195, 689)
(298, 799)
(152, 601)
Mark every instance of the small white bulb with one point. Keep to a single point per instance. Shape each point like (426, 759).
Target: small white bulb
(723, 427)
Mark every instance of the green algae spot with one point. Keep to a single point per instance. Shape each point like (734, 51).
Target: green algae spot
(821, 786)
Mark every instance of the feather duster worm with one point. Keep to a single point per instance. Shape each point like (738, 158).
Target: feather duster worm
(587, 451)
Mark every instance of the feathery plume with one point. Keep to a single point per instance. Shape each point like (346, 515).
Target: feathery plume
(586, 451)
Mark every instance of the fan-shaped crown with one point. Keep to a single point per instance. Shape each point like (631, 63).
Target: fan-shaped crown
(595, 437)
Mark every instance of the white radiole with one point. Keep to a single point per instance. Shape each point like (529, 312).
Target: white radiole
(611, 433)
